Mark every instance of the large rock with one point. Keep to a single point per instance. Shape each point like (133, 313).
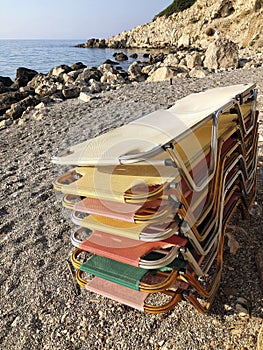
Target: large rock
(193, 60)
(23, 76)
(95, 86)
(77, 66)
(47, 87)
(171, 60)
(112, 79)
(155, 58)
(70, 91)
(222, 53)
(197, 72)
(9, 98)
(6, 81)
(17, 109)
(161, 74)
(184, 41)
(60, 70)
(120, 56)
(135, 72)
(89, 73)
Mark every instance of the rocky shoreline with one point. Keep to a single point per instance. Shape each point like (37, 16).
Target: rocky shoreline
(33, 90)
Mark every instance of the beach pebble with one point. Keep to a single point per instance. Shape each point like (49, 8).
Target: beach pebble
(83, 96)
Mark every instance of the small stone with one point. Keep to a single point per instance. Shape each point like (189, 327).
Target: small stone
(242, 311)
(242, 301)
(83, 96)
(40, 105)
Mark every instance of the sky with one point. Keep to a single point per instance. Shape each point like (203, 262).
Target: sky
(74, 19)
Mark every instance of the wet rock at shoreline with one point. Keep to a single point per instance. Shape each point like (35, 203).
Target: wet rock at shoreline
(6, 81)
(23, 76)
(120, 56)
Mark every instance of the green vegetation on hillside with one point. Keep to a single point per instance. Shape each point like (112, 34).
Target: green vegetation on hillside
(176, 6)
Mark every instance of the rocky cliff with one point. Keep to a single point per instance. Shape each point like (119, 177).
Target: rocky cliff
(241, 21)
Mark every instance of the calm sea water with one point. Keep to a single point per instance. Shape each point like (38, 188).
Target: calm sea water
(42, 55)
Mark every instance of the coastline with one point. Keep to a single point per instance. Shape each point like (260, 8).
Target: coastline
(38, 297)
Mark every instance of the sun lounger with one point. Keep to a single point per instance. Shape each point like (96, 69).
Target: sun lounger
(145, 136)
(152, 199)
(148, 255)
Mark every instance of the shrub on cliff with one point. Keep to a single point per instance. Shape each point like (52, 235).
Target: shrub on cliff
(176, 6)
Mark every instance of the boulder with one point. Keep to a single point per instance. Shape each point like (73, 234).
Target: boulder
(47, 88)
(222, 53)
(23, 76)
(225, 8)
(161, 74)
(184, 41)
(120, 56)
(135, 72)
(6, 81)
(193, 60)
(9, 98)
(59, 70)
(108, 61)
(95, 86)
(171, 60)
(89, 73)
(70, 91)
(3, 88)
(68, 78)
(149, 69)
(197, 72)
(77, 66)
(106, 67)
(154, 58)
(38, 78)
(17, 109)
(134, 55)
(121, 71)
(112, 79)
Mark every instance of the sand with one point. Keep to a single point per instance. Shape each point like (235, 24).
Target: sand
(40, 308)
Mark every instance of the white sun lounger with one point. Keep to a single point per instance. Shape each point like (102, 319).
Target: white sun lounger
(146, 136)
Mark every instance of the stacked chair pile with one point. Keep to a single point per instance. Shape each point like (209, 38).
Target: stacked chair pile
(151, 199)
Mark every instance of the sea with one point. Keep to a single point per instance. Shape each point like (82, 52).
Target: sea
(43, 55)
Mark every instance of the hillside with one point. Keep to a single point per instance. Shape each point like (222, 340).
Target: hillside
(238, 20)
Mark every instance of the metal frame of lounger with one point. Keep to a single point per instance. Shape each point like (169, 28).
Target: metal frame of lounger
(208, 294)
(186, 211)
(194, 236)
(244, 181)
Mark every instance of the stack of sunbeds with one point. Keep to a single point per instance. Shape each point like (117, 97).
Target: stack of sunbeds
(151, 199)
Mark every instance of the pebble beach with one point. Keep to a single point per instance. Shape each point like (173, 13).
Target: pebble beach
(41, 307)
